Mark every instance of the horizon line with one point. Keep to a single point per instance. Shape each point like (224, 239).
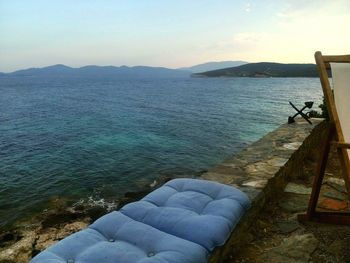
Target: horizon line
(133, 66)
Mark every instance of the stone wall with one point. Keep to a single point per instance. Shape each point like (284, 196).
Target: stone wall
(263, 169)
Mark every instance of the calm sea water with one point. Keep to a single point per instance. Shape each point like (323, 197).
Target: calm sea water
(100, 139)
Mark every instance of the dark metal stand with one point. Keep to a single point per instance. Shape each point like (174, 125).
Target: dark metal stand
(308, 104)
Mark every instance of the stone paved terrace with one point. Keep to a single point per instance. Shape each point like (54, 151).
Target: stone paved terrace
(277, 173)
(277, 236)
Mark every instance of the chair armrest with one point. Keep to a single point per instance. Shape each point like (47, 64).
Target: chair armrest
(345, 145)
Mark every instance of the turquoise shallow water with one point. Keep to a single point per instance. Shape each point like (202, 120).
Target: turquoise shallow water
(101, 138)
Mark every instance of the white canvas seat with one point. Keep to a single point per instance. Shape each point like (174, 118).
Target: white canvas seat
(341, 89)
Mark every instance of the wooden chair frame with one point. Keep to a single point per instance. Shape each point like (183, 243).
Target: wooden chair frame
(335, 137)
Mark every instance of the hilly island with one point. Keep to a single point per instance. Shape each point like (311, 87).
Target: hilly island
(265, 70)
(235, 69)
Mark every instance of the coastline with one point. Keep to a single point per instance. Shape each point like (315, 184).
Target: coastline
(28, 238)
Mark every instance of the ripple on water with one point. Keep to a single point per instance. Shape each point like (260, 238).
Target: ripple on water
(71, 138)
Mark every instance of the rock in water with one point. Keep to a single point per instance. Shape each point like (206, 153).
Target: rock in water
(48, 237)
(21, 251)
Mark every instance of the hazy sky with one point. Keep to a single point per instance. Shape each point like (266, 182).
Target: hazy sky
(170, 33)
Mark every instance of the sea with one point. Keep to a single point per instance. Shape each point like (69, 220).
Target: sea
(96, 139)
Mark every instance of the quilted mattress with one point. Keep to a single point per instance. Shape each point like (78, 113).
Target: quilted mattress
(180, 222)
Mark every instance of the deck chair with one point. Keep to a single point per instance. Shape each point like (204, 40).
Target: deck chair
(337, 100)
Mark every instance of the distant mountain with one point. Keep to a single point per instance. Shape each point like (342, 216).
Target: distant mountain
(213, 66)
(264, 69)
(62, 71)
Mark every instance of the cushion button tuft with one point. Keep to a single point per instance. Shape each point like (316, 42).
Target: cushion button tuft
(151, 254)
(111, 240)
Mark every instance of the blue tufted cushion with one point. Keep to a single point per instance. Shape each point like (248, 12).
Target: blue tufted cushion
(177, 223)
(200, 211)
(115, 238)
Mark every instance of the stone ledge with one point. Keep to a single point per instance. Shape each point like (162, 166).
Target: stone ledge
(263, 169)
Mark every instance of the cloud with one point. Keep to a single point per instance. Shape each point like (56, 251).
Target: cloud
(291, 41)
(247, 7)
(297, 32)
(299, 8)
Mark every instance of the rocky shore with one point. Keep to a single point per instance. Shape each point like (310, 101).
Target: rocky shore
(23, 240)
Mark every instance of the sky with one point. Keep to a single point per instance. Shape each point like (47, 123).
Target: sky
(169, 33)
